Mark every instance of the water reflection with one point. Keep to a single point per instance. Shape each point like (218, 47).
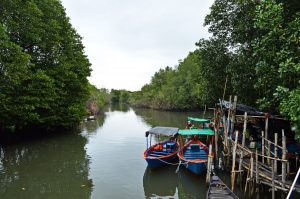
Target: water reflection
(47, 168)
(190, 185)
(167, 118)
(119, 107)
(160, 182)
(92, 125)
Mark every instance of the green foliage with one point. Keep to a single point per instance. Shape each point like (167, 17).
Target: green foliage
(43, 66)
(277, 50)
(120, 96)
(97, 99)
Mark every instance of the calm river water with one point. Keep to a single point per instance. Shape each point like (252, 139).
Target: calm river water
(103, 160)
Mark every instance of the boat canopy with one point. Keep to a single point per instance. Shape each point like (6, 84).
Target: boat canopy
(195, 119)
(160, 130)
(196, 132)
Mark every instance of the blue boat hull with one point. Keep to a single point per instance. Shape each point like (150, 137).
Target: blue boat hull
(165, 155)
(197, 168)
(156, 163)
(194, 156)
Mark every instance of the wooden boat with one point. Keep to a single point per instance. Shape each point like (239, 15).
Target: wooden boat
(194, 154)
(217, 189)
(162, 153)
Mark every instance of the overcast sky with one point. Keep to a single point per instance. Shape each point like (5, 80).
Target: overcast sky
(127, 41)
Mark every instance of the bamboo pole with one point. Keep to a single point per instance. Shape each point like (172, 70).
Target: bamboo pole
(277, 187)
(252, 165)
(227, 132)
(294, 183)
(273, 185)
(283, 157)
(262, 146)
(269, 152)
(229, 114)
(224, 89)
(209, 165)
(278, 146)
(233, 159)
(216, 131)
(275, 151)
(266, 127)
(256, 167)
(243, 141)
(233, 114)
(247, 179)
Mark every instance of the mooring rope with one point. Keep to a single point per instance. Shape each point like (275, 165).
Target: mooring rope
(180, 163)
(173, 164)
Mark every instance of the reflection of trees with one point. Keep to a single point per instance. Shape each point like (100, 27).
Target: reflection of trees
(92, 125)
(55, 167)
(191, 185)
(160, 182)
(119, 107)
(167, 118)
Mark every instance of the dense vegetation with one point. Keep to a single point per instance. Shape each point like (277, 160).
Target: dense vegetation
(43, 69)
(254, 45)
(97, 99)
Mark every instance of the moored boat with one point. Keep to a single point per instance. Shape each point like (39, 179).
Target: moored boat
(165, 152)
(217, 189)
(194, 154)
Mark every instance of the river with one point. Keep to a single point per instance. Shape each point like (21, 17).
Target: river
(104, 160)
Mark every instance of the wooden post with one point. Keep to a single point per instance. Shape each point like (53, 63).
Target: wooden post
(266, 127)
(262, 147)
(243, 141)
(229, 115)
(216, 130)
(252, 165)
(233, 114)
(209, 165)
(275, 152)
(269, 152)
(273, 185)
(283, 158)
(233, 159)
(225, 133)
(256, 167)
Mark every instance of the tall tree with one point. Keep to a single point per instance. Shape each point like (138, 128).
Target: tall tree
(56, 86)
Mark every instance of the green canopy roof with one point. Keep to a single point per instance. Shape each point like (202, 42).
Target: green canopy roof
(196, 132)
(195, 119)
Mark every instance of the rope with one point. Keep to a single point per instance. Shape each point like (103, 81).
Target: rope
(174, 164)
(180, 163)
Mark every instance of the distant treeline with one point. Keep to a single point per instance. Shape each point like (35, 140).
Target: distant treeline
(43, 69)
(255, 45)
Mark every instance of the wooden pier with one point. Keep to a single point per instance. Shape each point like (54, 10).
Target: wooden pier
(262, 165)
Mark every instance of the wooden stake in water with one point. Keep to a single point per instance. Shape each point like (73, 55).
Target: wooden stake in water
(243, 141)
(256, 167)
(233, 114)
(209, 165)
(275, 152)
(283, 158)
(233, 160)
(273, 185)
(269, 152)
(262, 147)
